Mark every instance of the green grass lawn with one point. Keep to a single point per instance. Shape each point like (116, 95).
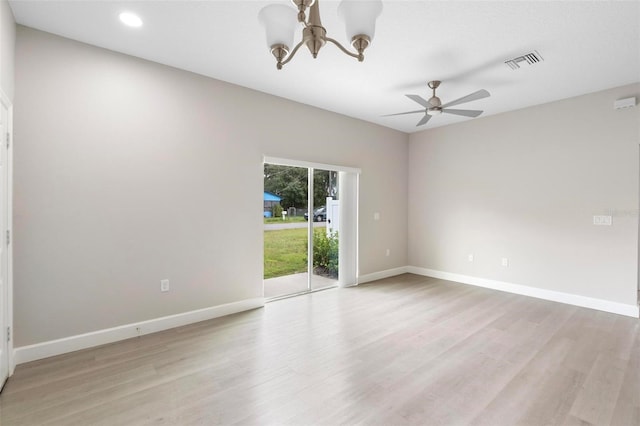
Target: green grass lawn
(285, 252)
(288, 220)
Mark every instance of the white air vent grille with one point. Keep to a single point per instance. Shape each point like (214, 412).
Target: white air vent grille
(624, 103)
(530, 58)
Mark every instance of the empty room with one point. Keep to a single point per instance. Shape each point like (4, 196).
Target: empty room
(303, 212)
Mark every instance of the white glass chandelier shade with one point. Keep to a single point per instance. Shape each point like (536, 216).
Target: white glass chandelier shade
(280, 23)
(360, 16)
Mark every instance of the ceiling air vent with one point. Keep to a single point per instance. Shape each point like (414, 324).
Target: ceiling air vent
(530, 58)
(625, 103)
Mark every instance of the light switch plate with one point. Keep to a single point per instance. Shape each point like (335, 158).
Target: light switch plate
(602, 220)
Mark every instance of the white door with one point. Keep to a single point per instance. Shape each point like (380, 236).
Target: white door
(4, 288)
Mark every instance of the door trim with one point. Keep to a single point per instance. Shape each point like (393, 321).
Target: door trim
(4, 99)
(309, 165)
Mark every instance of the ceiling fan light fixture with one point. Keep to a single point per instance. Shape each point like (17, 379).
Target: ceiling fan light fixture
(360, 42)
(305, 3)
(280, 21)
(302, 5)
(359, 17)
(434, 111)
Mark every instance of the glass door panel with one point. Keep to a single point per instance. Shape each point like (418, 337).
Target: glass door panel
(285, 230)
(326, 220)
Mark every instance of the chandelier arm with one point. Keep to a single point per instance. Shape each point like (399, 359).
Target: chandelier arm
(359, 57)
(291, 55)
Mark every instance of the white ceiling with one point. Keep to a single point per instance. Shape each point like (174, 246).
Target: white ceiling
(587, 46)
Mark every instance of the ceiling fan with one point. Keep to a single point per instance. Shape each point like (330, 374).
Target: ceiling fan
(434, 106)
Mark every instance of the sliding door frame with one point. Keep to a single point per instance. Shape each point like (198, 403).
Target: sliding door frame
(348, 246)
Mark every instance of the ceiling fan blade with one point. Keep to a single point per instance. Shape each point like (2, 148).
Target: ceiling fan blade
(480, 94)
(403, 113)
(419, 99)
(424, 120)
(465, 112)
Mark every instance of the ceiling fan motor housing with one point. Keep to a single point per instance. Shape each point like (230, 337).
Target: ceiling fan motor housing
(434, 100)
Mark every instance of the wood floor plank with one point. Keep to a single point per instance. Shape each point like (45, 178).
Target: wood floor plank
(406, 350)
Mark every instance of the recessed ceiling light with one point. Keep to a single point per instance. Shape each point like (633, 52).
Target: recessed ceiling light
(130, 19)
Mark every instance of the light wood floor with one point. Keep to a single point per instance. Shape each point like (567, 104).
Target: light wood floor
(405, 350)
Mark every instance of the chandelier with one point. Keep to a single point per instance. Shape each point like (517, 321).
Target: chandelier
(280, 23)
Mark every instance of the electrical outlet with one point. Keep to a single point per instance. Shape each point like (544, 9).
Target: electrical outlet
(164, 285)
(388, 252)
(470, 258)
(376, 216)
(505, 261)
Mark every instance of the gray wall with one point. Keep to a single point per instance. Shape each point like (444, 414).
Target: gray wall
(127, 172)
(7, 47)
(525, 185)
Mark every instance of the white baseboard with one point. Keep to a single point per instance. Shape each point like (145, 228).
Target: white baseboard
(37, 351)
(382, 274)
(83, 341)
(539, 293)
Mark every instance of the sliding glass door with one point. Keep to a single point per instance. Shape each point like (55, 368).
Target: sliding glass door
(304, 222)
